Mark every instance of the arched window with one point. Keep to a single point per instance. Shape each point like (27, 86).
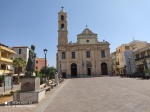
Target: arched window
(62, 18)
(104, 64)
(62, 27)
(73, 65)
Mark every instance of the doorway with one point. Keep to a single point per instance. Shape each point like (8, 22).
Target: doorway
(88, 66)
(73, 70)
(64, 75)
(89, 71)
(104, 70)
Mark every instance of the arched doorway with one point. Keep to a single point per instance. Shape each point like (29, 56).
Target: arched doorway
(104, 68)
(88, 66)
(73, 70)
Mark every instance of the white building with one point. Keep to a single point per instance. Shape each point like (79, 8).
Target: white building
(23, 52)
(125, 59)
(142, 58)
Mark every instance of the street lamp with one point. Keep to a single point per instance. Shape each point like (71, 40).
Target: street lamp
(4, 76)
(45, 52)
(129, 65)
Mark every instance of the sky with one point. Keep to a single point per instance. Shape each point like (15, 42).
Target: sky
(35, 22)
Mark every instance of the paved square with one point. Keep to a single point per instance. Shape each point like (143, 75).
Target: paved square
(95, 94)
(102, 94)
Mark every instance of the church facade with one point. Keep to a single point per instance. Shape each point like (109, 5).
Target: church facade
(86, 57)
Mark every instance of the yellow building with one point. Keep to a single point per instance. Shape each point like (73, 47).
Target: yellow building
(125, 60)
(6, 60)
(121, 61)
(113, 63)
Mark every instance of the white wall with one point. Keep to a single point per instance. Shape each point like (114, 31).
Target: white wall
(128, 54)
(24, 54)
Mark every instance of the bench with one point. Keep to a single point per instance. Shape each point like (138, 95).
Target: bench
(61, 80)
(42, 86)
(48, 88)
(53, 85)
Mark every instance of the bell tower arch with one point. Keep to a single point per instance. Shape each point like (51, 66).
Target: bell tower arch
(62, 28)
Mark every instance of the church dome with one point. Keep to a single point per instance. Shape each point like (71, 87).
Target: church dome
(87, 31)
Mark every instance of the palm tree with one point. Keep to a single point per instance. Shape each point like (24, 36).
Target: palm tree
(19, 63)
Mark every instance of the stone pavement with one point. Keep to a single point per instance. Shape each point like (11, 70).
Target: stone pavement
(103, 94)
(98, 94)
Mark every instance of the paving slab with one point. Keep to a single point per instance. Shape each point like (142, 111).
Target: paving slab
(102, 94)
(95, 94)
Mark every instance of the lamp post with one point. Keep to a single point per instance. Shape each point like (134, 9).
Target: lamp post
(4, 76)
(129, 65)
(45, 52)
(124, 70)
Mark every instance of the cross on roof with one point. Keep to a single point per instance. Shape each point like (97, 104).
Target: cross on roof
(62, 7)
(86, 26)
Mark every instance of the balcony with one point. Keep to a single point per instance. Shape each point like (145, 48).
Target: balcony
(6, 49)
(6, 72)
(6, 60)
(148, 56)
(117, 63)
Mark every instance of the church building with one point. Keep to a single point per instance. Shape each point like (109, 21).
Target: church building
(86, 57)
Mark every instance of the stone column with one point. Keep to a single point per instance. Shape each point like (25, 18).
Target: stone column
(56, 79)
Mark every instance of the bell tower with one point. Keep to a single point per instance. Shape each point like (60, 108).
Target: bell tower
(62, 28)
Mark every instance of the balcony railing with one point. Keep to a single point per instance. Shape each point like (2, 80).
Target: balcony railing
(6, 71)
(148, 56)
(6, 59)
(117, 63)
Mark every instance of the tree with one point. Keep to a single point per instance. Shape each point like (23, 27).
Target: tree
(50, 71)
(42, 71)
(36, 72)
(19, 63)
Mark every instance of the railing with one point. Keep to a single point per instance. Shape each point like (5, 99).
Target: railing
(148, 56)
(6, 59)
(6, 71)
(117, 63)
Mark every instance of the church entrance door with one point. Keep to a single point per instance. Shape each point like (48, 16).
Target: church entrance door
(89, 71)
(104, 69)
(73, 70)
(88, 66)
(64, 74)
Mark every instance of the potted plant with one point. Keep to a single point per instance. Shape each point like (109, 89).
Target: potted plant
(147, 73)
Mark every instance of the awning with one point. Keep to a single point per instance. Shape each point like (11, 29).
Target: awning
(21, 74)
(1, 73)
